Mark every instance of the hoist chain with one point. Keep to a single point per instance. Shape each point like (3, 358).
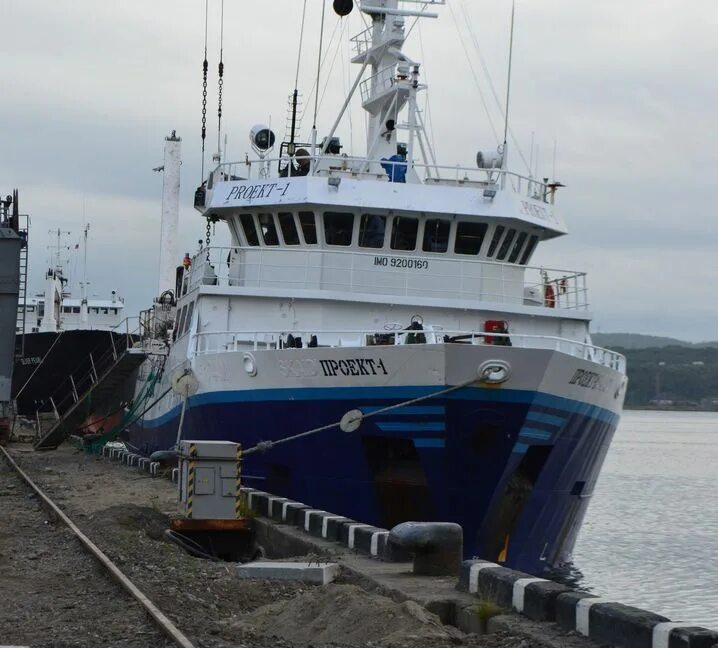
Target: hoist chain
(205, 68)
(212, 219)
(220, 83)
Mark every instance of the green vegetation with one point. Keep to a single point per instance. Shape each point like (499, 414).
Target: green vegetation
(672, 377)
(639, 341)
(484, 610)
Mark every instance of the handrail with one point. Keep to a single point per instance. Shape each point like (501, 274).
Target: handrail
(373, 253)
(357, 272)
(438, 334)
(358, 166)
(93, 366)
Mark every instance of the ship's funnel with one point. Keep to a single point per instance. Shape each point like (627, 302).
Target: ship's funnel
(170, 214)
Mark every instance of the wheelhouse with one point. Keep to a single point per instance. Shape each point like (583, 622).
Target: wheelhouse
(441, 235)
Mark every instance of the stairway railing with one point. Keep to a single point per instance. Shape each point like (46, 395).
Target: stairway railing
(91, 368)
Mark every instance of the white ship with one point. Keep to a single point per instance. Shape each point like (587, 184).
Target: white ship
(401, 291)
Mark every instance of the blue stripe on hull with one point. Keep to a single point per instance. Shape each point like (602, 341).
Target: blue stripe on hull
(467, 458)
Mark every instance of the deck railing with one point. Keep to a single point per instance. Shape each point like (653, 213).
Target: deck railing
(230, 341)
(388, 273)
(361, 168)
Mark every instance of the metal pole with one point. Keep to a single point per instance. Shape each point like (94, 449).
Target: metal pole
(54, 409)
(74, 388)
(344, 107)
(181, 423)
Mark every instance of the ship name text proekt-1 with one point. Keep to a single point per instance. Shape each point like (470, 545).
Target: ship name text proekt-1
(256, 191)
(309, 368)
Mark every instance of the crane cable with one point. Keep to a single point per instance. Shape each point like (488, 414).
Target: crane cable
(476, 78)
(321, 63)
(502, 109)
(319, 67)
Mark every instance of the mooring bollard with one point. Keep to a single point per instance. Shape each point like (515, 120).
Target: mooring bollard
(436, 547)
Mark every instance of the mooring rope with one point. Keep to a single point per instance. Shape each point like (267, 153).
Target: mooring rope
(263, 446)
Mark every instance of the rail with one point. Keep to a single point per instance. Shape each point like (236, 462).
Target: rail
(388, 273)
(210, 342)
(361, 168)
(157, 616)
(383, 80)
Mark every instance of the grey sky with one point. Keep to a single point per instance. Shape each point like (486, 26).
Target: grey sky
(627, 88)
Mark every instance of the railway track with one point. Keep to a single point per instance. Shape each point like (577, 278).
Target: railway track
(75, 599)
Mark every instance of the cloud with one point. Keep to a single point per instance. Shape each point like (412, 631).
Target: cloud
(627, 90)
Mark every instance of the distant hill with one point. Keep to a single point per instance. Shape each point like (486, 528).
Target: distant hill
(639, 341)
(666, 373)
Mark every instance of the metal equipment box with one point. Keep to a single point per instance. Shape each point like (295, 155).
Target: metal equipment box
(209, 479)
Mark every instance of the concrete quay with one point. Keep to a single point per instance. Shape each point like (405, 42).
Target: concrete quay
(538, 607)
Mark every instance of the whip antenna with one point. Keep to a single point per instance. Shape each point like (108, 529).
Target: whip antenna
(508, 81)
(295, 95)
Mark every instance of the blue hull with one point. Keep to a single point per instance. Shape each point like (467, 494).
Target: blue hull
(514, 468)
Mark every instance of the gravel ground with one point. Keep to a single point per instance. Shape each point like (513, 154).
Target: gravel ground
(44, 573)
(52, 592)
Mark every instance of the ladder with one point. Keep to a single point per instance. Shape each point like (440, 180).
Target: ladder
(23, 231)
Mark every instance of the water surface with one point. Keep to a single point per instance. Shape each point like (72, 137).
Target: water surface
(650, 537)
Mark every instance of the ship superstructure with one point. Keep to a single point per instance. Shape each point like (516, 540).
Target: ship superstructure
(403, 289)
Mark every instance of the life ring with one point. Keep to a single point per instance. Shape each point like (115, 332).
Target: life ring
(549, 296)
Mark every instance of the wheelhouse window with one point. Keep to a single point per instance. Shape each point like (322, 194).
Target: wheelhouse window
(506, 244)
(268, 229)
(76, 309)
(338, 228)
(372, 229)
(518, 245)
(180, 321)
(403, 233)
(188, 319)
(289, 228)
(309, 227)
(436, 235)
(469, 237)
(249, 229)
(67, 309)
(533, 240)
(498, 233)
